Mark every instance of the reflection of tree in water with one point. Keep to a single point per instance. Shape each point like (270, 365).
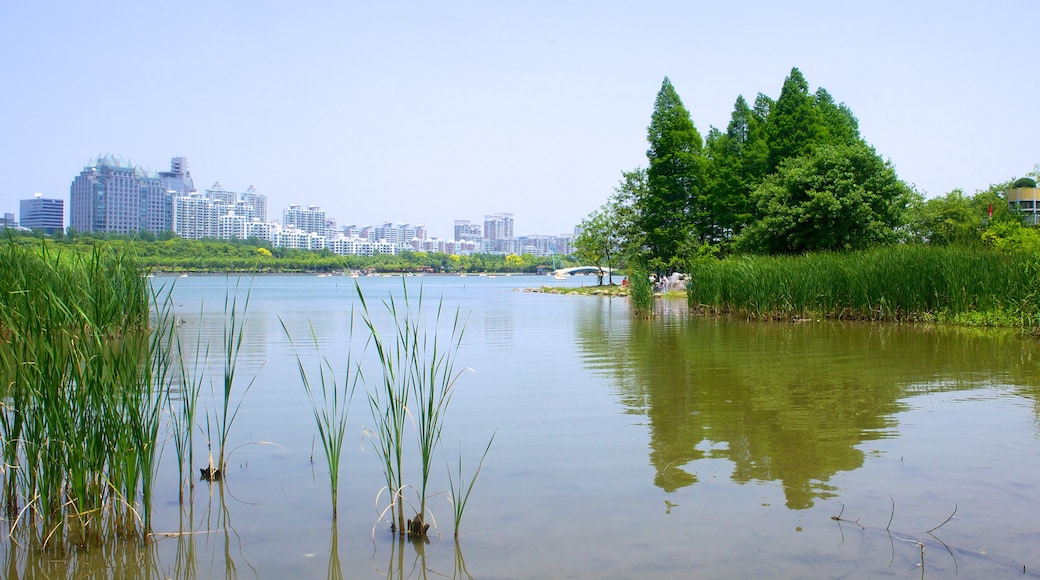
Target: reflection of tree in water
(781, 401)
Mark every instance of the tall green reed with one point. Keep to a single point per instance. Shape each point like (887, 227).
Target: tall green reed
(898, 283)
(641, 293)
(416, 365)
(86, 345)
(228, 400)
(461, 490)
(330, 406)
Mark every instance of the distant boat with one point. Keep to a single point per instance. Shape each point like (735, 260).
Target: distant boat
(185, 275)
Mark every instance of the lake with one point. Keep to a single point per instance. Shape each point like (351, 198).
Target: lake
(683, 446)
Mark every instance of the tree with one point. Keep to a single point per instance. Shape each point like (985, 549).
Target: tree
(736, 163)
(597, 243)
(793, 126)
(837, 197)
(672, 206)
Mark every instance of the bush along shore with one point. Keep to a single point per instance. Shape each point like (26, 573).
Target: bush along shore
(902, 283)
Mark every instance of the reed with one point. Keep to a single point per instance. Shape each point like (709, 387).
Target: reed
(330, 405)
(416, 365)
(229, 399)
(895, 283)
(86, 349)
(460, 491)
(641, 293)
(183, 408)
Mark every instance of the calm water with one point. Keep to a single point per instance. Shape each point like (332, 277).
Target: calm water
(678, 447)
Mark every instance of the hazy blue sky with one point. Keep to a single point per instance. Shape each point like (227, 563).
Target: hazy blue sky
(427, 112)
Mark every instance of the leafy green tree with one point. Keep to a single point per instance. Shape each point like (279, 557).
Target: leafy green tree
(598, 242)
(837, 197)
(737, 161)
(793, 126)
(837, 124)
(673, 205)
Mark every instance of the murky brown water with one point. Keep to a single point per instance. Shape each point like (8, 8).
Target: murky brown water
(678, 447)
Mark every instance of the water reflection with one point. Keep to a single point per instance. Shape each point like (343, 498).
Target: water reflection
(781, 402)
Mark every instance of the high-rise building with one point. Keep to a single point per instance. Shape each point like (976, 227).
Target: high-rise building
(311, 219)
(113, 195)
(257, 202)
(194, 217)
(498, 226)
(218, 214)
(43, 214)
(467, 231)
(177, 181)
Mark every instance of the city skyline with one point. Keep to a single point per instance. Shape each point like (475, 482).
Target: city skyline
(418, 112)
(111, 194)
(179, 182)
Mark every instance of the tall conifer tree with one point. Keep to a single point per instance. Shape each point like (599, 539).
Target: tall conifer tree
(673, 207)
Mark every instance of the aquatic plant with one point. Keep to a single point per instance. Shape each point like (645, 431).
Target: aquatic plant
(330, 406)
(460, 492)
(229, 402)
(905, 282)
(86, 346)
(183, 407)
(416, 365)
(641, 293)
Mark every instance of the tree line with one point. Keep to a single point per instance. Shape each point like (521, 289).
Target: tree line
(786, 176)
(168, 252)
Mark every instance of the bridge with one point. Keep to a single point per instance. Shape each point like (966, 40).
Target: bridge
(581, 270)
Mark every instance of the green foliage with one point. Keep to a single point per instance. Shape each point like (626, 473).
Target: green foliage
(641, 292)
(673, 205)
(86, 349)
(834, 198)
(756, 170)
(899, 282)
(599, 241)
(1024, 182)
(331, 405)
(417, 379)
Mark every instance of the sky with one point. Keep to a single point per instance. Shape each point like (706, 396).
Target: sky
(429, 112)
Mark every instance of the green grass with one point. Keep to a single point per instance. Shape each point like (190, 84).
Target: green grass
(330, 405)
(641, 293)
(418, 375)
(86, 348)
(893, 283)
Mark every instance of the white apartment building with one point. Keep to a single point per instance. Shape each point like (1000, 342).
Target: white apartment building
(309, 219)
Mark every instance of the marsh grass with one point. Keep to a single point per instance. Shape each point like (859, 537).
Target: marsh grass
(228, 400)
(183, 408)
(641, 293)
(418, 375)
(893, 283)
(86, 350)
(460, 488)
(330, 405)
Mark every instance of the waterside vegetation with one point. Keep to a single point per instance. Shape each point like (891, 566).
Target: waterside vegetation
(169, 253)
(902, 283)
(788, 212)
(86, 350)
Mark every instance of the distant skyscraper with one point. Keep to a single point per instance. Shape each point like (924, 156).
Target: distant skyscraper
(177, 181)
(194, 217)
(257, 202)
(112, 195)
(467, 231)
(498, 226)
(311, 219)
(40, 213)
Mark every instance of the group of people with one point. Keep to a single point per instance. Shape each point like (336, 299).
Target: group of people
(676, 281)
